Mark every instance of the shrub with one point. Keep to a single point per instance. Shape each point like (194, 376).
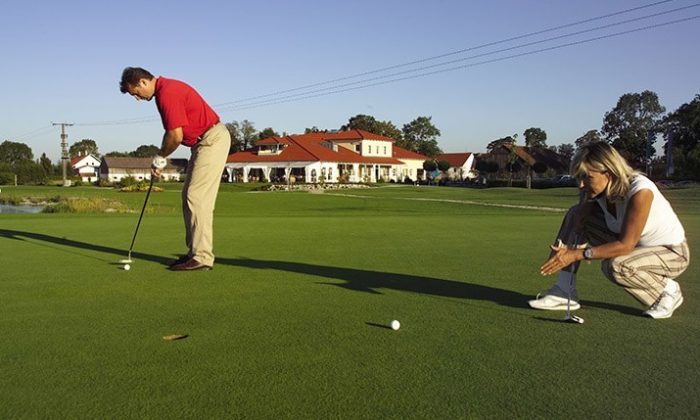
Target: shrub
(127, 181)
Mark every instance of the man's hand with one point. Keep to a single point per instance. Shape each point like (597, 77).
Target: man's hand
(159, 162)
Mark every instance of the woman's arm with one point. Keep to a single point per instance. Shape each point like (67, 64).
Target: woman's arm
(632, 226)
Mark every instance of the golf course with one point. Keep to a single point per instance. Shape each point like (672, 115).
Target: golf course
(293, 321)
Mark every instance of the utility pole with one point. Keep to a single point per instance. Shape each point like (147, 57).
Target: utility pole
(64, 151)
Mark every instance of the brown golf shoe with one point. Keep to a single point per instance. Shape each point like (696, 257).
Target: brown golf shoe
(190, 265)
(181, 259)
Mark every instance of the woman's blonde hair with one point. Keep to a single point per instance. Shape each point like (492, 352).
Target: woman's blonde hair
(599, 156)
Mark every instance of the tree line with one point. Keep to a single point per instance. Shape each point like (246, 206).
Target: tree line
(632, 126)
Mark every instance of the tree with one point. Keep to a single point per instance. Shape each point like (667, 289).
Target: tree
(370, 124)
(429, 166)
(46, 165)
(535, 137)
(590, 136)
(14, 153)
(313, 129)
(494, 145)
(421, 136)
(566, 151)
(117, 154)
(145, 151)
(234, 129)
(360, 122)
(627, 125)
(83, 148)
(268, 132)
(682, 133)
(248, 134)
(443, 165)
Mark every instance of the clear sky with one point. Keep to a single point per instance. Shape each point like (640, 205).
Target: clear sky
(61, 62)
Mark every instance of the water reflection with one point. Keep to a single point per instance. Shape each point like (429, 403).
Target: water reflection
(7, 208)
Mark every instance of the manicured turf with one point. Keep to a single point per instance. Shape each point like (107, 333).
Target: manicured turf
(292, 322)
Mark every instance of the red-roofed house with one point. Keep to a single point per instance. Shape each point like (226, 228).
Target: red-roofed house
(461, 165)
(346, 156)
(86, 166)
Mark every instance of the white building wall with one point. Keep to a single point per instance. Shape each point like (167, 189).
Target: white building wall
(380, 148)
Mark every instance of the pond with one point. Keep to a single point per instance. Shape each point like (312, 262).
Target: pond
(8, 208)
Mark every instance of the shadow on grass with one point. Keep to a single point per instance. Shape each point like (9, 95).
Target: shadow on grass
(354, 279)
(369, 281)
(21, 236)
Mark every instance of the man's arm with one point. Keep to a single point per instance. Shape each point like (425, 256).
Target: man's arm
(171, 141)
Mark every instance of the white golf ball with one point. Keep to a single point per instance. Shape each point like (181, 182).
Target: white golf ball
(395, 325)
(127, 267)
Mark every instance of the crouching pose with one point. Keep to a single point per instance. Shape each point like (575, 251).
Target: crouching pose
(625, 222)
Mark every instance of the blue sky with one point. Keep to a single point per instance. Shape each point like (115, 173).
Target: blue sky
(61, 62)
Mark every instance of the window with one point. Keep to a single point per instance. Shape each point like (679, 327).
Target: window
(330, 174)
(385, 150)
(369, 150)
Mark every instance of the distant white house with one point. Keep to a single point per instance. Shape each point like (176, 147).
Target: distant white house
(114, 169)
(347, 156)
(461, 165)
(87, 167)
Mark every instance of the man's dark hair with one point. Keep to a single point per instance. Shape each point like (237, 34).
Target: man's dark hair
(131, 77)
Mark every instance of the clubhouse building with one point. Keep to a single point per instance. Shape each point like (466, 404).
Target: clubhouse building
(326, 157)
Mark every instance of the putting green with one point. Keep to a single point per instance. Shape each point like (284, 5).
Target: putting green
(293, 322)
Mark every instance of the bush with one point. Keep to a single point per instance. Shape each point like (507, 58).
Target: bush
(127, 181)
(7, 178)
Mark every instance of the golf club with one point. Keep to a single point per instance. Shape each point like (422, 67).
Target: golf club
(573, 319)
(128, 259)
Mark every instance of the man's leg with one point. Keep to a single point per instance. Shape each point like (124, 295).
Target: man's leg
(202, 186)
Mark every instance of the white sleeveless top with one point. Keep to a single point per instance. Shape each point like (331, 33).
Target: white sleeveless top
(662, 226)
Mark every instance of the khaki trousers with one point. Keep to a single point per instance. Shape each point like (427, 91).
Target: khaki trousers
(199, 193)
(643, 273)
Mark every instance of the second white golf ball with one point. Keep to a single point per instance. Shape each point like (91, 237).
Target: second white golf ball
(395, 325)
(127, 267)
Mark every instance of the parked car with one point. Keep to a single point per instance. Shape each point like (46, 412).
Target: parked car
(564, 181)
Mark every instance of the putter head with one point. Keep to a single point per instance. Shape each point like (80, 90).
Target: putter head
(125, 261)
(573, 319)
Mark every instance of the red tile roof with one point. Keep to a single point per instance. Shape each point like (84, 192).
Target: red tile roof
(455, 159)
(402, 153)
(309, 148)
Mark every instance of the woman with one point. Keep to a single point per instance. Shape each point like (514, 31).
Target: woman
(625, 222)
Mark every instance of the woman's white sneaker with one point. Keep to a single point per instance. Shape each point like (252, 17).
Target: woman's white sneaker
(665, 305)
(553, 300)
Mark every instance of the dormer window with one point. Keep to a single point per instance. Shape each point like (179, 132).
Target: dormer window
(272, 149)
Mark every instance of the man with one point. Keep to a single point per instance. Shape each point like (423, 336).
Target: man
(190, 121)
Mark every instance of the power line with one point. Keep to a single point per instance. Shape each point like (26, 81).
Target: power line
(34, 133)
(423, 60)
(275, 102)
(364, 83)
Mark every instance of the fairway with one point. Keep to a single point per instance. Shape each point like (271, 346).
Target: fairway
(293, 322)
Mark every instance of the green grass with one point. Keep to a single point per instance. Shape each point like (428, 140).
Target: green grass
(291, 322)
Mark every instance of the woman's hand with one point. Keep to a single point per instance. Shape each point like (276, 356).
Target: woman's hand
(562, 257)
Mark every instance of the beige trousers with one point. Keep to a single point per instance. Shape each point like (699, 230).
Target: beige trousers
(644, 272)
(199, 193)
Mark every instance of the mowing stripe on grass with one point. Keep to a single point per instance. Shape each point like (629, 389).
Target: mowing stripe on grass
(442, 200)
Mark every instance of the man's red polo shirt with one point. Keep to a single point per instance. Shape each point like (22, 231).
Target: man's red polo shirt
(181, 106)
